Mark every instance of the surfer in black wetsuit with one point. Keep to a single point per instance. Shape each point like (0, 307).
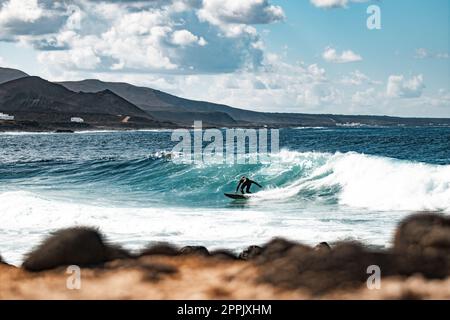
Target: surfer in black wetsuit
(246, 183)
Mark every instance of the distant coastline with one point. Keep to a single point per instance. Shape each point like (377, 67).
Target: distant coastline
(33, 104)
(59, 130)
(26, 127)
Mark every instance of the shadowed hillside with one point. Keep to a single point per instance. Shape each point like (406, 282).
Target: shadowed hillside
(41, 105)
(35, 99)
(7, 74)
(167, 107)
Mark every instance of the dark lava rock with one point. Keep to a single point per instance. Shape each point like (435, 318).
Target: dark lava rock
(274, 249)
(250, 253)
(194, 250)
(223, 254)
(79, 246)
(323, 246)
(321, 271)
(422, 245)
(424, 234)
(162, 249)
(156, 271)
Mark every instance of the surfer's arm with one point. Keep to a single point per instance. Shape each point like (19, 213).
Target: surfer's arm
(237, 188)
(257, 184)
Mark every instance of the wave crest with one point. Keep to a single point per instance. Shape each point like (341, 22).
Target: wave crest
(365, 181)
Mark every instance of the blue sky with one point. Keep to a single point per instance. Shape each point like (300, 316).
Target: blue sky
(406, 26)
(314, 56)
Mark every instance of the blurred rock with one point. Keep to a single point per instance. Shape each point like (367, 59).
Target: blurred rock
(223, 254)
(250, 253)
(323, 246)
(162, 248)
(79, 246)
(424, 234)
(194, 250)
(274, 249)
(156, 271)
(422, 245)
(320, 271)
(421, 250)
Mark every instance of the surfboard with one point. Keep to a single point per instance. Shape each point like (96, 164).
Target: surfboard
(236, 196)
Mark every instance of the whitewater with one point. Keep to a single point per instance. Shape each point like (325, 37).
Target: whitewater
(324, 185)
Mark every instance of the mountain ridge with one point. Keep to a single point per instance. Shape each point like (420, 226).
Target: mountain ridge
(199, 109)
(8, 74)
(47, 105)
(37, 100)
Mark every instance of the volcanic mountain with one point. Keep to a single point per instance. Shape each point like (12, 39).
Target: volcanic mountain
(36, 99)
(7, 74)
(38, 104)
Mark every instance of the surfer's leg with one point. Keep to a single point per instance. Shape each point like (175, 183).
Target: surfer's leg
(242, 190)
(248, 189)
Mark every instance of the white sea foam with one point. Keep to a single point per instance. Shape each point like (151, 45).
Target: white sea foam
(28, 218)
(23, 133)
(371, 195)
(365, 181)
(28, 133)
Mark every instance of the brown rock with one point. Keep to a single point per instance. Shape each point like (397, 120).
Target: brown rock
(80, 246)
(425, 234)
(250, 253)
(223, 254)
(321, 271)
(422, 245)
(156, 271)
(194, 250)
(162, 249)
(274, 249)
(323, 246)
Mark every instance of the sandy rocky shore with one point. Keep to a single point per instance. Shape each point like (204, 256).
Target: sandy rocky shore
(416, 267)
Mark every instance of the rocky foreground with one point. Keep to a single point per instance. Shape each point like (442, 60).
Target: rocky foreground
(416, 267)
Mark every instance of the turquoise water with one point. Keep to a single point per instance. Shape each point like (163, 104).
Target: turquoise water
(324, 185)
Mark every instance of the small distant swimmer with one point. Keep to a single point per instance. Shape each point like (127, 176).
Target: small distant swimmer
(246, 183)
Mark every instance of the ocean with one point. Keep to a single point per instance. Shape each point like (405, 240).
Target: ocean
(325, 184)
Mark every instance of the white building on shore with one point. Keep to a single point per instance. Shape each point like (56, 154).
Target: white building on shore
(4, 116)
(77, 120)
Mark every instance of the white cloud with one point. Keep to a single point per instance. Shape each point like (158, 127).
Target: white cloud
(281, 87)
(81, 57)
(277, 86)
(20, 10)
(357, 78)
(422, 53)
(333, 3)
(400, 87)
(442, 55)
(319, 94)
(347, 56)
(185, 38)
(5, 63)
(219, 12)
(29, 17)
(189, 36)
(205, 50)
(364, 98)
(439, 100)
